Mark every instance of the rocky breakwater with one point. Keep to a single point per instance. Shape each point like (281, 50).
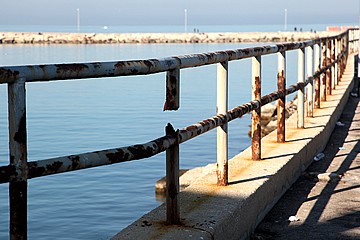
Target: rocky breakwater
(269, 116)
(143, 38)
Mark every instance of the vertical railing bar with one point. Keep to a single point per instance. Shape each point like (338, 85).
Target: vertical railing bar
(222, 131)
(317, 61)
(256, 114)
(336, 67)
(310, 86)
(172, 178)
(18, 159)
(281, 101)
(329, 73)
(301, 78)
(324, 75)
(172, 90)
(333, 67)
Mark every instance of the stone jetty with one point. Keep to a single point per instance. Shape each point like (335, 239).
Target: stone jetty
(143, 38)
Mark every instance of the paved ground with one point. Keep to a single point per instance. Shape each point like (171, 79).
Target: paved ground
(326, 198)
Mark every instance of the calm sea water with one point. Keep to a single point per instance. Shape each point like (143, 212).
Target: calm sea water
(71, 117)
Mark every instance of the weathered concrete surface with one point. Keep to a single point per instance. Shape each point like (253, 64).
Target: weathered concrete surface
(232, 212)
(326, 197)
(112, 38)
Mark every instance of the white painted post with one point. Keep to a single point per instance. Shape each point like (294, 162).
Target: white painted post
(301, 78)
(336, 53)
(222, 136)
(310, 86)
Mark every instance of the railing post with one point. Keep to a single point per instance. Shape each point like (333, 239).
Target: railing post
(332, 57)
(301, 79)
(342, 58)
(317, 61)
(172, 90)
(18, 159)
(310, 86)
(281, 101)
(338, 64)
(336, 67)
(329, 75)
(172, 178)
(324, 78)
(222, 136)
(256, 114)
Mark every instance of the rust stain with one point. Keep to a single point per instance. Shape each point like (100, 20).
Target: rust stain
(7, 73)
(222, 177)
(20, 135)
(65, 68)
(54, 167)
(118, 156)
(34, 170)
(75, 162)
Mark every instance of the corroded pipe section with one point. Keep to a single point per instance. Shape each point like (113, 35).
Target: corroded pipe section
(172, 178)
(281, 76)
(18, 159)
(172, 90)
(324, 78)
(256, 114)
(99, 158)
(317, 61)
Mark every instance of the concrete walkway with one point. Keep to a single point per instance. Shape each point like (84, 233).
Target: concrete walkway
(325, 201)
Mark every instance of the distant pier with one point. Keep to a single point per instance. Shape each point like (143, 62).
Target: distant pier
(145, 38)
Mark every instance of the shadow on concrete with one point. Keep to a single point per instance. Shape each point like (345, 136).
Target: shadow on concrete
(298, 139)
(278, 156)
(326, 209)
(249, 179)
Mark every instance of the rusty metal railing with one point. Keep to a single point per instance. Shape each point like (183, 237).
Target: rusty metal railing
(326, 59)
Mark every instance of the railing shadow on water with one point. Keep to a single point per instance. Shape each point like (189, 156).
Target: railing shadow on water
(326, 60)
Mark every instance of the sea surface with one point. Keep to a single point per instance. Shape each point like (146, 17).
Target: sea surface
(77, 116)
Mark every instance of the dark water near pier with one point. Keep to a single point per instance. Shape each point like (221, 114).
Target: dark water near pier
(71, 117)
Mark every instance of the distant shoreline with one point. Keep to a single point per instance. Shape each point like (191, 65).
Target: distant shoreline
(152, 38)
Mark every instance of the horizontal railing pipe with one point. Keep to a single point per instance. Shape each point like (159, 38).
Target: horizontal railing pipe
(49, 72)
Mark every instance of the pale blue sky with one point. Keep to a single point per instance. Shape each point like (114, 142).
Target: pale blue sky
(170, 12)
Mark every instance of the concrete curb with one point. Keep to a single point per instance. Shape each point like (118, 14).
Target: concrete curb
(234, 211)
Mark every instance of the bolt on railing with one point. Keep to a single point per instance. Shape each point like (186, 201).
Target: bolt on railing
(19, 170)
